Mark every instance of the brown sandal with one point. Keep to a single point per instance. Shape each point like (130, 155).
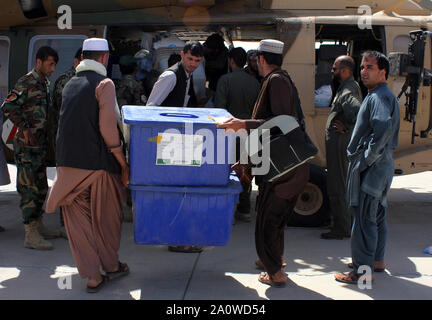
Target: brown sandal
(350, 277)
(265, 278)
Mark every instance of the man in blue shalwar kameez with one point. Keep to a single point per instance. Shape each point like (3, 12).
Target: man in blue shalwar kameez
(371, 167)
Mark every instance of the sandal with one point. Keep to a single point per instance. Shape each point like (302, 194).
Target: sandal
(265, 278)
(259, 265)
(105, 279)
(123, 270)
(350, 277)
(186, 249)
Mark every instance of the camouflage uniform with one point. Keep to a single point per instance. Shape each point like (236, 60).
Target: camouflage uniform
(27, 106)
(130, 92)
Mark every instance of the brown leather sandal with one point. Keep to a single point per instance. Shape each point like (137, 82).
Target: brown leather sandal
(265, 278)
(349, 277)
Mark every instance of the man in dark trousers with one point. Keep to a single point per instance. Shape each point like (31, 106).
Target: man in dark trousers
(340, 123)
(276, 200)
(174, 88)
(237, 92)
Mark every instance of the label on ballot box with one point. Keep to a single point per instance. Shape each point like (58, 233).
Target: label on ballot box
(179, 149)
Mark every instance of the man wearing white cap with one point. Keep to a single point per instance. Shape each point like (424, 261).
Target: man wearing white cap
(276, 200)
(91, 168)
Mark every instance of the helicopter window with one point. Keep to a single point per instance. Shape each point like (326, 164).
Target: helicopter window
(401, 43)
(326, 54)
(4, 66)
(66, 47)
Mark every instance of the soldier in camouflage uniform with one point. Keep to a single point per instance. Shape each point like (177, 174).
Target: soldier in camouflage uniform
(27, 106)
(129, 90)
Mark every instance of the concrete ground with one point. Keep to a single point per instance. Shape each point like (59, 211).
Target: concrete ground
(228, 273)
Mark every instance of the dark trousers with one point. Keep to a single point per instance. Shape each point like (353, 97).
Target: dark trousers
(272, 217)
(342, 220)
(244, 196)
(337, 166)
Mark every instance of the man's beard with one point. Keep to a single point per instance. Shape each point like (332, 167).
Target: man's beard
(336, 78)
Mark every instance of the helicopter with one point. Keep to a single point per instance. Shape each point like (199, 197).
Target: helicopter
(314, 33)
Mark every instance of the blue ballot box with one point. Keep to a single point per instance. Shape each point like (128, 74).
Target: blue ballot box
(178, 146)
(184, 215)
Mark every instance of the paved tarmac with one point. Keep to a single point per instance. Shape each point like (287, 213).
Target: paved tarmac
(228, 273)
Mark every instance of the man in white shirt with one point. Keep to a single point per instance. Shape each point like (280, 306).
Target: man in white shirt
(174, 87)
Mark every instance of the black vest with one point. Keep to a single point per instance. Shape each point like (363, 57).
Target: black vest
(177, 95)
(79, 141)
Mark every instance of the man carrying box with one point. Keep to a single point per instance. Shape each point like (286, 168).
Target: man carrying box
(174, 88)
(276, 200)
(91, 168)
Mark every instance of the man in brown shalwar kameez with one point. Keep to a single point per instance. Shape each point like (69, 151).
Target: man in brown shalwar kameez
(91, 168)
(276, 200)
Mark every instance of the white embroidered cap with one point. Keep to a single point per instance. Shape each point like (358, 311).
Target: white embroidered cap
(95, 44)
(270, 45)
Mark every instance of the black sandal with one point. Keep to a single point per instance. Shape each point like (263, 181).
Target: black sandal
(105, 279)
(123, 270)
